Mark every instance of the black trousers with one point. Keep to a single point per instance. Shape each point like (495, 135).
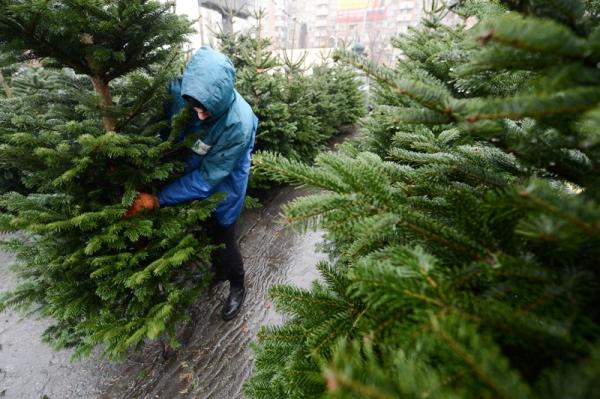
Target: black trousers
(227, 262)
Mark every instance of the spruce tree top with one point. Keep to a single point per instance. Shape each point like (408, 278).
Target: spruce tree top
(103, 39)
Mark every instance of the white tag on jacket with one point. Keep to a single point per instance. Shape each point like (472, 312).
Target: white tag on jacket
(200, 147)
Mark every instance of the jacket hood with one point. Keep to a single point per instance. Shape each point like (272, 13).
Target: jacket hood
(209, 77)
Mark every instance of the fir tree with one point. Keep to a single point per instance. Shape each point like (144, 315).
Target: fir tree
(463, 224)
(84, 139)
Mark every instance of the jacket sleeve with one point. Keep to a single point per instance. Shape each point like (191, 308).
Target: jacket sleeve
(214, 167)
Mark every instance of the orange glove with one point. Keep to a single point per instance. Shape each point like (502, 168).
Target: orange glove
(141, 202)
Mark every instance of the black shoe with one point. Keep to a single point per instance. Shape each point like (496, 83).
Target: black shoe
(234, 302)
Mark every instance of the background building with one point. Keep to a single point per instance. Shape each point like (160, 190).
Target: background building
(369, 24)
(317, 24)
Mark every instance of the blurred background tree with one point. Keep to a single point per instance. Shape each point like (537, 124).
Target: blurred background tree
(300, 108)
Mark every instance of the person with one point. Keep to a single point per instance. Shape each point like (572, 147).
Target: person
(220, 161)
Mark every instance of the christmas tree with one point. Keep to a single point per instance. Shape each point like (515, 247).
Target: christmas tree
(464, 225)
(83, 133)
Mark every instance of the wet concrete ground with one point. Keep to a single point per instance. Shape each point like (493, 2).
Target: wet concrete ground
(214, 358)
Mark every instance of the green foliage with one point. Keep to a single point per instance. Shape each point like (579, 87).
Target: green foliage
(464, 222)
(41, 99)
(103, 279)
(103, 38)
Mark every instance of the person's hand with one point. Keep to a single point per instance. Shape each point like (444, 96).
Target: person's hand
(141, 202)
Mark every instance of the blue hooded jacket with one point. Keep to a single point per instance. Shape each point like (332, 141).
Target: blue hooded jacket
(223, 162)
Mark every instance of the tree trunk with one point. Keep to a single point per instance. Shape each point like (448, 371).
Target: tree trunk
(5, 86)
(103, 90)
